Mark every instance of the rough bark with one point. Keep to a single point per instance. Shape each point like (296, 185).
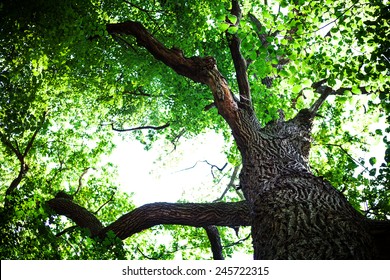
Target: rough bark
(230, 214)
(146, 216)
(294, 215)
(190, 214)
(215, 242)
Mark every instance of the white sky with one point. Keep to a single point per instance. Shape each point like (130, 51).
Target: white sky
(158, 176)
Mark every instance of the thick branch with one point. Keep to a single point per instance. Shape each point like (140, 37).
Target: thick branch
(189, 214)
(146, 216)
(174, 58)
(199, 69)
(257, 23)
(239, 61)
(81, 216)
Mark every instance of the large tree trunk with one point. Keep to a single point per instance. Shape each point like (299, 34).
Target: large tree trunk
(295, 215)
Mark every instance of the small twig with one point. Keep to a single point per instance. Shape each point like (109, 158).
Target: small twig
(333, 21)
(230, 184)
(69, 229)
(348, 155)
(81, 180)
(139, 127)
(127, 43)
(104, 204)
(205, 161)
(145, 256)
(237, 242)
(142, 9)
(177, 138)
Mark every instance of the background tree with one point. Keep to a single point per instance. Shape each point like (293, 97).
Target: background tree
(278, 79)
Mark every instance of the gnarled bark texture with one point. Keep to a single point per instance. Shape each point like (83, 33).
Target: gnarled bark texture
(293, 214)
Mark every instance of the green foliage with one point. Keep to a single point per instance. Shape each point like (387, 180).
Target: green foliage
(64, 80)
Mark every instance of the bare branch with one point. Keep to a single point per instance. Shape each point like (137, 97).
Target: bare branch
(205, 161)
(32, 139)
(190, 214)
(230, 184)
(69, 229)
(215, 242)
(81, 180)
(140, 127)
(238, 242)
(21, 157)
(239, 61)
(104, 204)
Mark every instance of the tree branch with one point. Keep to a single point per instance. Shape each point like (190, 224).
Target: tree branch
(326, 91)
(239, 61)
(21, 157)
(32, 139)
(105, 203)
(193, 68)
(215, 242)
(199, 69)
(230, 184)
(81, 216)
(146, 216)
(140, 127)
(190, 214)
(81, 180)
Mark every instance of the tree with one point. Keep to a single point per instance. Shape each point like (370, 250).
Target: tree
(302, 71)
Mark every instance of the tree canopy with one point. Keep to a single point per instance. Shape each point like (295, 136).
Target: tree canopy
(75, 73)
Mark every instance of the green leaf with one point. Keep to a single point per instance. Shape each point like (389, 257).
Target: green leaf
(296, 88)
(372, 160)
(223, 26)
(232, 18)
(233, 29)
(356, 90)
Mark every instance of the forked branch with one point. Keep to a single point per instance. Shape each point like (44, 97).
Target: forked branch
(326, 91)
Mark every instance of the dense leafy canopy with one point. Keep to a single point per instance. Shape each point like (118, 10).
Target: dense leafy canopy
(67, 85)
